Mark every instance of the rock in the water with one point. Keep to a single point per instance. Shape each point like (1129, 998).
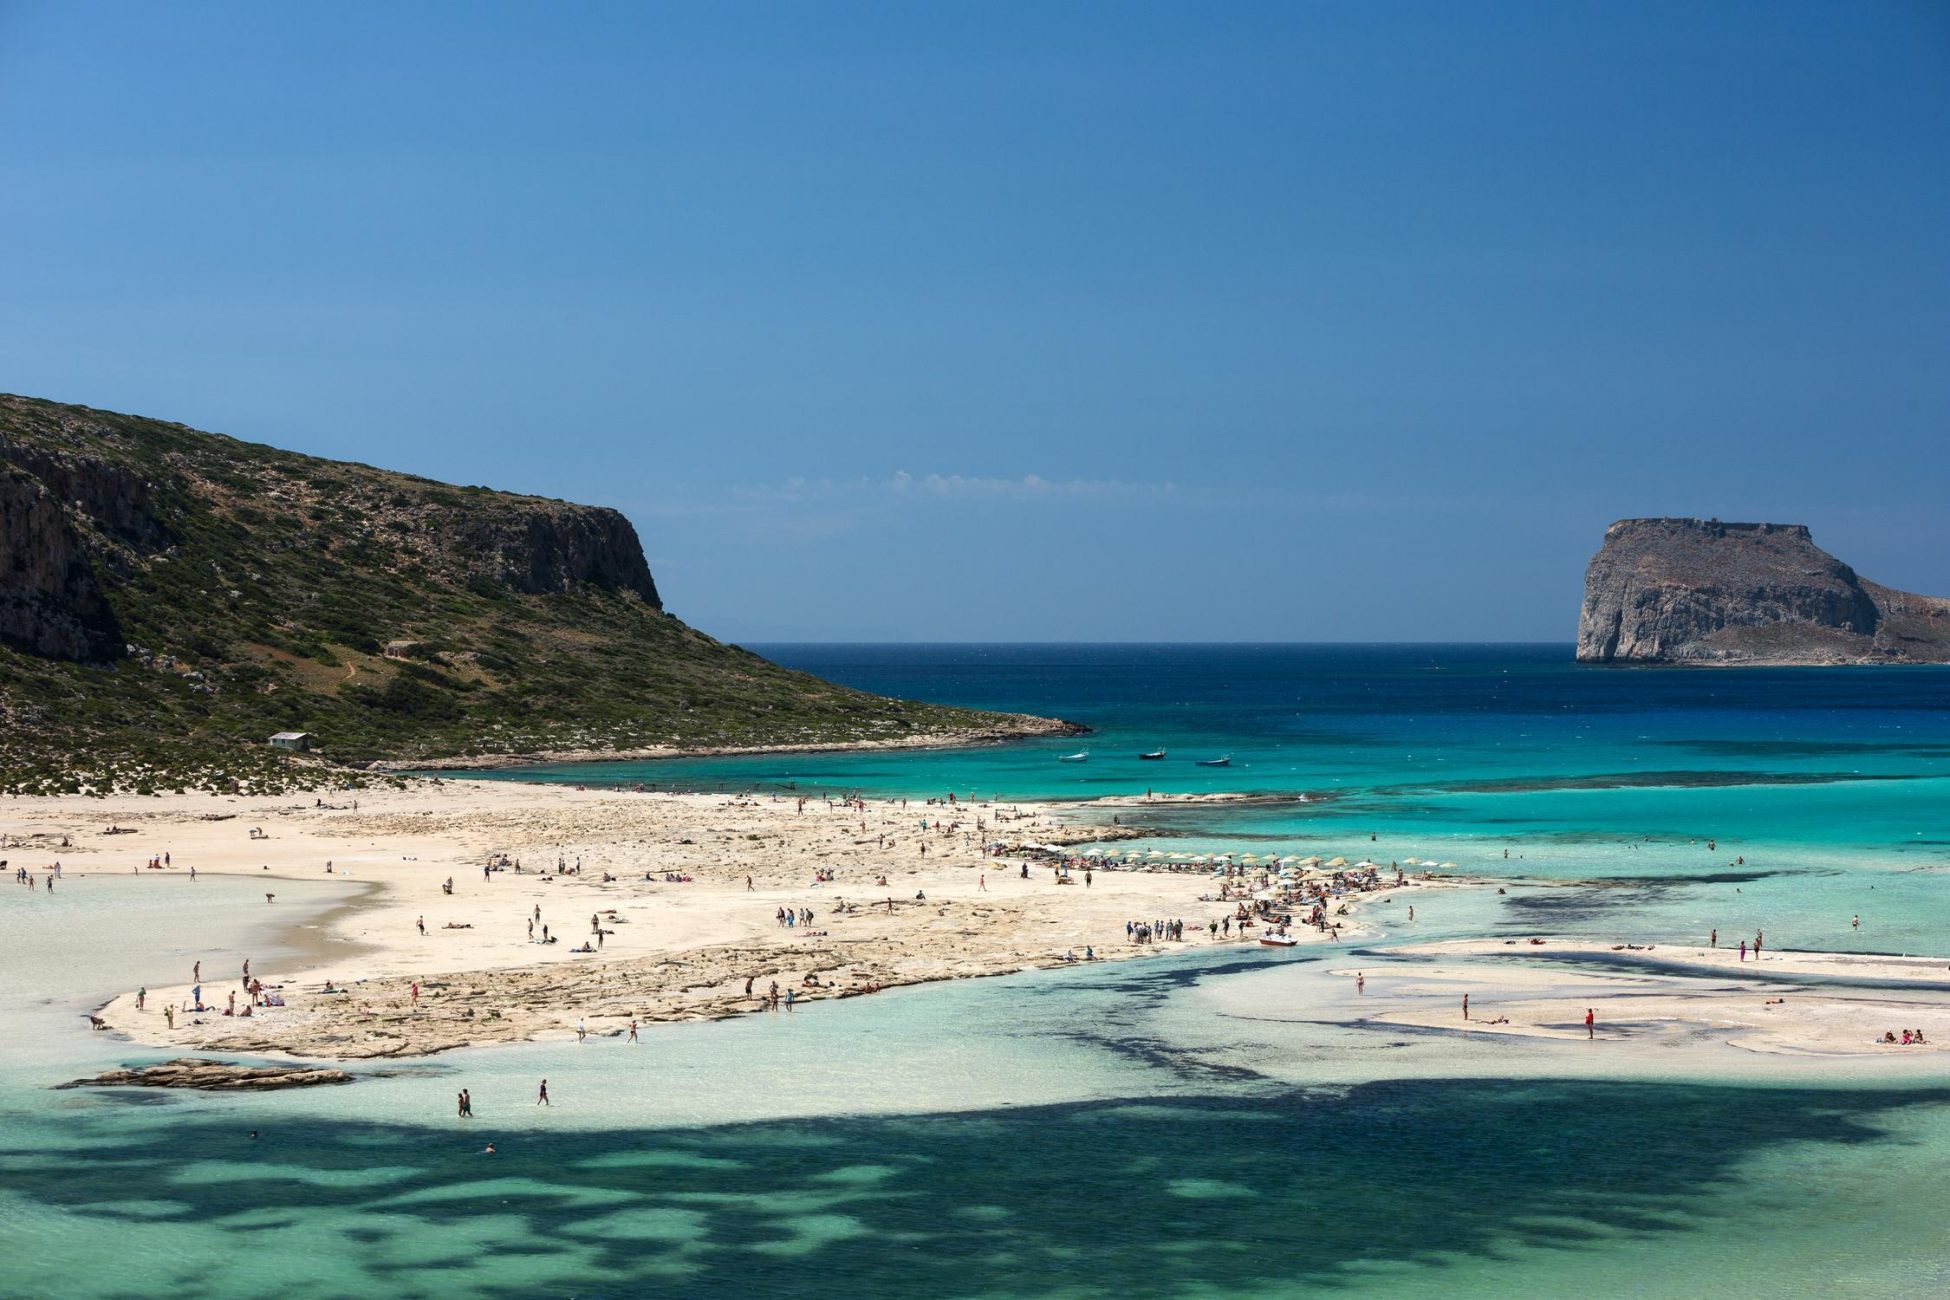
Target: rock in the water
(1702, 591)
(214, 1076)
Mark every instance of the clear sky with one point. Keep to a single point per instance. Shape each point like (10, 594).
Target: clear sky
(1029, 321)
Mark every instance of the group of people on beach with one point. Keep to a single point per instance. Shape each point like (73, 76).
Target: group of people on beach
(22, 876)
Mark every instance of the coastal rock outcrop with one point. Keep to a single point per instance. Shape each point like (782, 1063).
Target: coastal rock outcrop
(1706, 592)
(214, 1076)
(556, 546)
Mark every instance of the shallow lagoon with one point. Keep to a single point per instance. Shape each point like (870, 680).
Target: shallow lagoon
(1178, 1126)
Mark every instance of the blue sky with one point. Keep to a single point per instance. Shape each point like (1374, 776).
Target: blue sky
(1027, 321)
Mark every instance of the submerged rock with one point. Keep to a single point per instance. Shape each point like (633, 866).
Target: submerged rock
(214, 1076)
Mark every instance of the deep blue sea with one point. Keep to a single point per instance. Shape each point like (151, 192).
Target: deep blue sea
(1191, 1125)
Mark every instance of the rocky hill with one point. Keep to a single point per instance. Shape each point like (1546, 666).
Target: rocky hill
(1705, 592)
(170, 598)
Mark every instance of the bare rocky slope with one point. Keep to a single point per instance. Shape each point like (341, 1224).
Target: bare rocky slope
(1699, 591)
(169, 598)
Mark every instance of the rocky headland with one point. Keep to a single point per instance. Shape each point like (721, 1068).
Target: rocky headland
(169, 599)
(1699, 591)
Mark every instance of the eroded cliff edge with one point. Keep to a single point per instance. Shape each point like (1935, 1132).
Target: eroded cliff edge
(1699, 591)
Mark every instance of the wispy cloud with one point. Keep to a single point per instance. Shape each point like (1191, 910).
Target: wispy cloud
(905, 486)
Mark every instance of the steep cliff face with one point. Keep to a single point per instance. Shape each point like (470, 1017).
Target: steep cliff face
(553, 548)
(50, 601)
(1702, 591)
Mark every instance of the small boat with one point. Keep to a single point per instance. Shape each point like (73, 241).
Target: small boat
(1271, 940)
(1153, 756)
(1081, 756)
(1216, 762)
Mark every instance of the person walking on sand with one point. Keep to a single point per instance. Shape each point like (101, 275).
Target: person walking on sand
(582, 1031)
(1743, 950)
(1590, 1023)
(423, 927)
(541, 1098)
(416, 993)
(1465, 1006)
(633, 1031)
(1360, 982)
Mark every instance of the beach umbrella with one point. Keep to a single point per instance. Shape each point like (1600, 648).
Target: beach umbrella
(1314, 861)
(1338, 862)
(1250, 857)
(1448, 866)
(1411, 862)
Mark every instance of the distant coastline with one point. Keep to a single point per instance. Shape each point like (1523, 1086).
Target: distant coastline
(1018, 727)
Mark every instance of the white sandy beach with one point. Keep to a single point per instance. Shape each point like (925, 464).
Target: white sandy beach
(670, 949)
(1786, 1003)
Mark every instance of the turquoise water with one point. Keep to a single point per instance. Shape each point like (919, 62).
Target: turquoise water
(1192, 1125)
(1825, 793)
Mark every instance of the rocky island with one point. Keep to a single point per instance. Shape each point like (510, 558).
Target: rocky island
(1699, 591)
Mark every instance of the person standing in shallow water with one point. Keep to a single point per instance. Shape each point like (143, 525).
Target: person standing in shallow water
(541, 1098)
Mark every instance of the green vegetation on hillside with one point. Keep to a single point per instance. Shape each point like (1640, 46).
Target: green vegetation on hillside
(258, 590)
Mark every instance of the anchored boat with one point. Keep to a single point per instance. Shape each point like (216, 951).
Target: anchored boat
(1153, 756)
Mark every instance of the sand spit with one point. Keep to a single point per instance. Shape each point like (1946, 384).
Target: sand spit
(1813, 1004)
(1016, 726)
(676, 897)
